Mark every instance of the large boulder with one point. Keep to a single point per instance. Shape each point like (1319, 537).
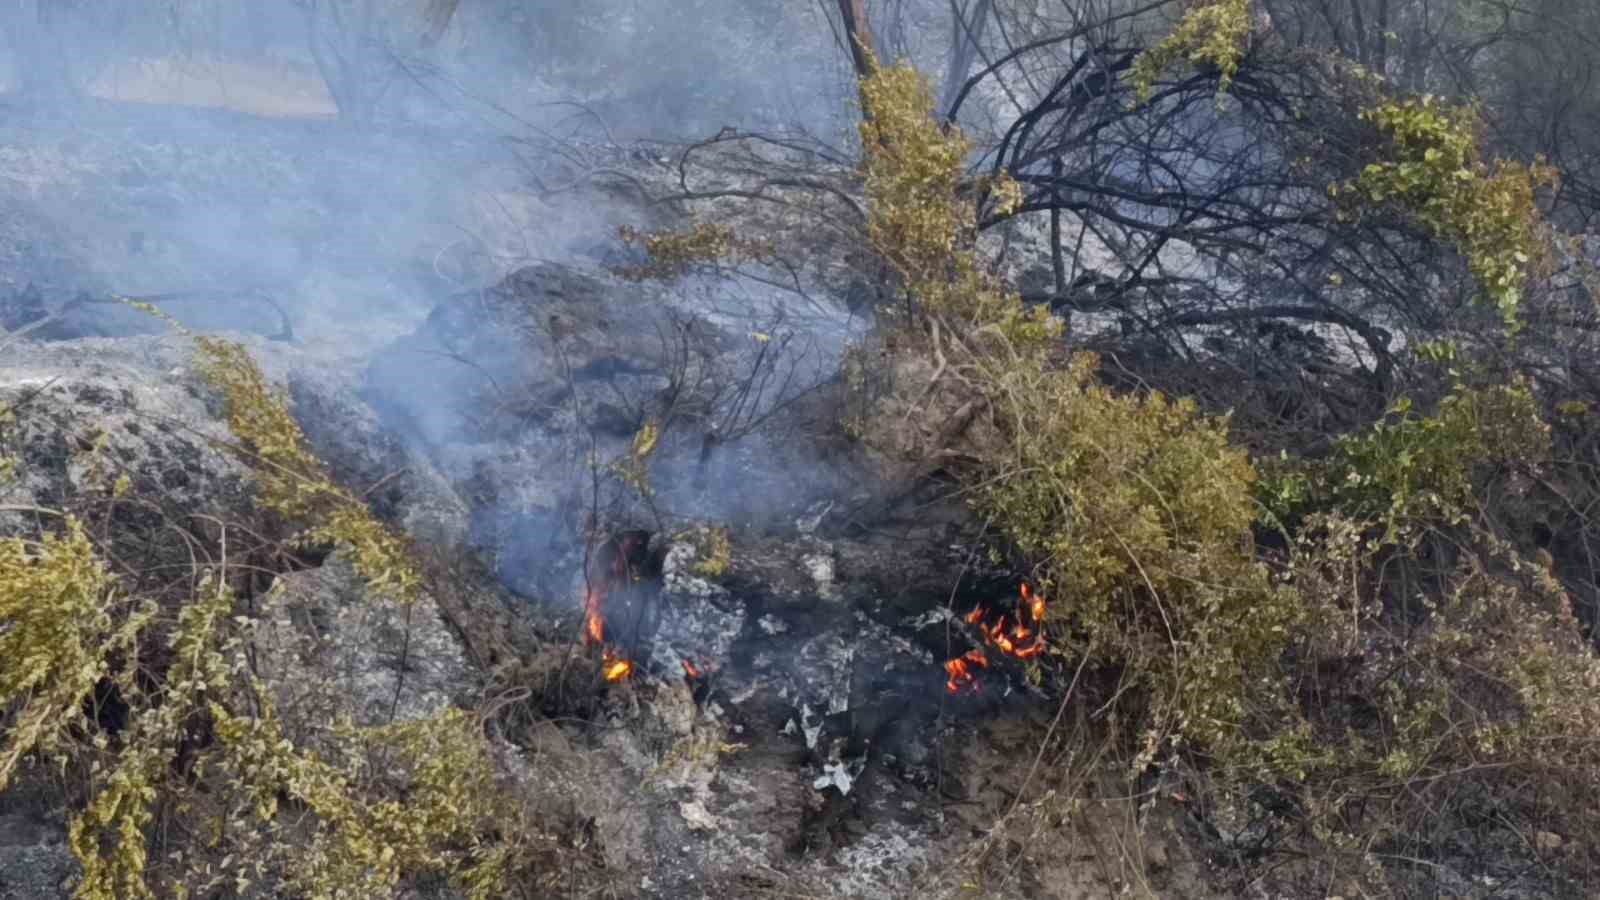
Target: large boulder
(511, 359)
(89, 410)
(525, 393)
(83, 414)
(125, 434)
(509, 390)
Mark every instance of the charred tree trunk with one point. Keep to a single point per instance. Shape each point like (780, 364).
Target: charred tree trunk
(858, 35)
(1058, 265)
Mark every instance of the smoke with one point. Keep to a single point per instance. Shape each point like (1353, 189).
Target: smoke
(207, 155)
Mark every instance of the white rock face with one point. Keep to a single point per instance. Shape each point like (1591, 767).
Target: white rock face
(360, 655)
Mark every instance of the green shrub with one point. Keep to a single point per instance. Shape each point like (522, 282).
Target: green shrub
(1432, 167)
(373, 805)
(65, 628)
(1135, 513)
(1211, 31)
(1413, 472)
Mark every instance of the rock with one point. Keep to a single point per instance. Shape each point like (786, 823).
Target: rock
(694, 813)
(87, 413)
(333, 649)
(161, 426)
(34, 860)
(36, 871)
(680, 577)
(1548, 841)
(819, 565)
(494, 386)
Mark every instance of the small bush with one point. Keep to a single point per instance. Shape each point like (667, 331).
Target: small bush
(1135, 513)
(1432, 167)
(63, 628)
(1414, 472)
(207, 787)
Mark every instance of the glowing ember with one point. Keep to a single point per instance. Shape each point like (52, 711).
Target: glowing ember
(1023, 639)
(1035, 604)
(960, 670)
(689, 670)
(616, 669)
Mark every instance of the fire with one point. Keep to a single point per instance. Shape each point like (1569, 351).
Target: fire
(960, 670)
(689, 670)
(1030, 651)
(1022, 639)
(610, 570)
(594, 624)
(615, 668)
(1035, 604)
(612, 667)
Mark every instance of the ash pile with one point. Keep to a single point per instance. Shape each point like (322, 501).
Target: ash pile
(744, 674)
(794, 712)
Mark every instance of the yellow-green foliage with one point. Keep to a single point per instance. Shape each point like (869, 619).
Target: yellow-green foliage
(109, 837)
(291, 481)
(1211, 31)
(1482, 675)
(62, 625)
(384, 803)
(1435, 171)
(8, 465)
(921, 217)
(633, 468)
(425, 810)
(673, 254)
(1513, 679)
(715, 554)
(1411, 467)
(1491, 679)
(1411, 472)
(1137, 513)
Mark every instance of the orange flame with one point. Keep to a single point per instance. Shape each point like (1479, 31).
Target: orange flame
(1012, 641)
(594, 624)
(689, 670)
(1035, 604)
(613, 666)
(616, 669)
(960, 670)
(1030, 651)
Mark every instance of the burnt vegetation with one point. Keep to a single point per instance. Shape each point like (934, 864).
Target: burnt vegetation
(1247, 346)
